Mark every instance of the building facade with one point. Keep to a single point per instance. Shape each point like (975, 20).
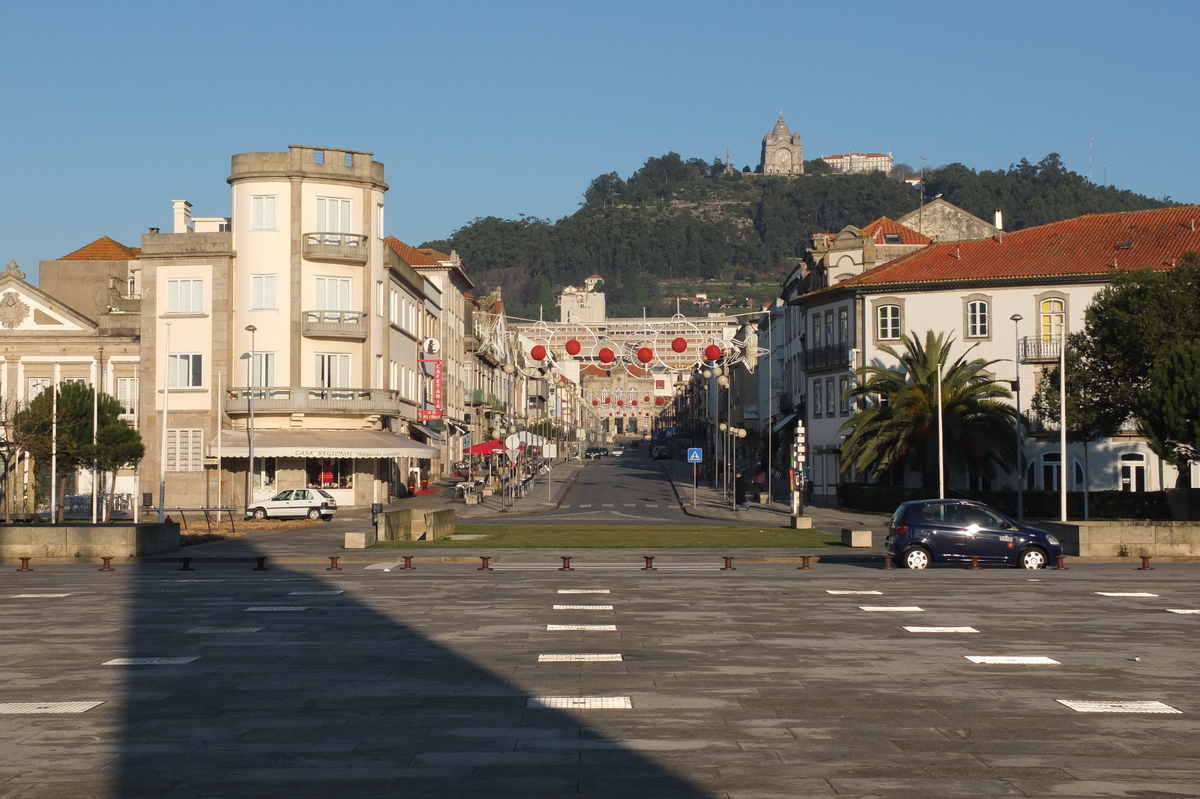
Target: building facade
(782, 151)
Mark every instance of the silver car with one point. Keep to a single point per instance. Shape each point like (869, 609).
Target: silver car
(311, 502)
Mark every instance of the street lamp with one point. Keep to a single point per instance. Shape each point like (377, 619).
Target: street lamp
(1016, 385)
(250, 407)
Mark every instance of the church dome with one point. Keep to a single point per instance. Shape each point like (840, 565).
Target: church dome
(781, 128)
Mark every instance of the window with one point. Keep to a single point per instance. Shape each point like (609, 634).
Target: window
(844, 326)
(329, 472)
(816, 332)
(379, 220)
(333, 294)
(829, 327)
(1133, 472)
(185, 449)
(888, 322)
(318, 156)
(333, 370)
(185, 370)
(127, 395)
(977, 319)
(80, 380)
(393, 376)
(817, 394)
(891, 238)
(333, 215)
(1053, 317)
(262, 213)
(349, 159)
(262, 369)
(36, 386)
(1051, 471)
(940, 513)
(395, 308)
(185, 295)
(379, 298)
(262, 292)
(843, 388)
(830, 398)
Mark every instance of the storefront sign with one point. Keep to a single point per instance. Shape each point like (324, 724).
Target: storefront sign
(435, 412)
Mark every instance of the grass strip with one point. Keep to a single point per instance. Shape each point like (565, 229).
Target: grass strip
(514, 536)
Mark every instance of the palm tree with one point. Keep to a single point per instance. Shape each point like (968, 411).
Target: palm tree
(895, 428)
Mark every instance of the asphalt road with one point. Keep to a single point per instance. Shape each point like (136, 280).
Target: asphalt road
(766, 681)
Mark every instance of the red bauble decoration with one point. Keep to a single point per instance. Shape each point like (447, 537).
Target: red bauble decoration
(658, 400)
(573, 347)
(606, 355)
(538, 352)
(595, 402)
(633, 402)
(645, 355)
(646, 399)
(620, 402)
(679, 344)
(712, 352)
(608, 399)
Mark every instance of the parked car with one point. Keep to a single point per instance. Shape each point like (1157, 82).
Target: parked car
(618, 451)
(660, 452)
(311, 502)
(591, 453)
(928, 531)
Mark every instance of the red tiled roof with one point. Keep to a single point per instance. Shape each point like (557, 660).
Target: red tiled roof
(595, 370)
(1085, 247)
(885, 226)
(102, 249)
(434, 254)
(411, 255)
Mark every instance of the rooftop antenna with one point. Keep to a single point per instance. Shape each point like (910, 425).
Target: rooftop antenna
(1091, 142)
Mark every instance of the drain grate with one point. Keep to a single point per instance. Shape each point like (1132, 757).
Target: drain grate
(581, 702)
(579, 658)
(1137, 706)
(149, 661)
(583, 607)
(553, 627)
(1005, 660)
(941, 629)
(22, 708)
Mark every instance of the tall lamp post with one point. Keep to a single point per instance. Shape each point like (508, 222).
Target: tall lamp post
(97, 386)
(1016, 385)
(251, 329)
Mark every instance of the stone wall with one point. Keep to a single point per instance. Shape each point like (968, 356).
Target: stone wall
(1111, 539)
(87, 541)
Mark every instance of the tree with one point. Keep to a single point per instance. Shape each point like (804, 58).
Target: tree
(895, 428)
(117, 446)
(1169, 411)
(15, 441)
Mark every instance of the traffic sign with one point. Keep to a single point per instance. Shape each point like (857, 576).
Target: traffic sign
(695, 455)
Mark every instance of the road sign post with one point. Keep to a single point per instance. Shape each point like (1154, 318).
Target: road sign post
(695, 456)
(798, 457)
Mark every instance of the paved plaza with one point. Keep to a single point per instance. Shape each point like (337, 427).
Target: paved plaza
(689, 681)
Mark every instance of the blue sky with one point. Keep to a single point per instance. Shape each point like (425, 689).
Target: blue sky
(500, 109)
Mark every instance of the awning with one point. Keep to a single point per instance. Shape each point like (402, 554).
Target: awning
(320, 444)
(428, 432)
(784, 422)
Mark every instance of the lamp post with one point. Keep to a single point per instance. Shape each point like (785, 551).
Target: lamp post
(1016, 385)
(1064, 463)
(96, 386)
(250, 408)
(162, 460)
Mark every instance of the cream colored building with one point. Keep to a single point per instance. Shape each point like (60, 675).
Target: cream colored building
(782, 151)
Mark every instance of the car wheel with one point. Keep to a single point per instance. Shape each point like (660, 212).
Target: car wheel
(1032, 558)
(314, 513)
(260, 513)
(916, 558)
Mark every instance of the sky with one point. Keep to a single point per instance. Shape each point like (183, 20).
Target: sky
(112, 110)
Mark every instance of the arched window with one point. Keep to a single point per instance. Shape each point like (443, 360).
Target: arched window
(1133, 471)
(888, 322)
(1048, 468)
(977, 319)
(1053, 316)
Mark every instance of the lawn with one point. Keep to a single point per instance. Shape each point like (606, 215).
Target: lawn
(514, 536)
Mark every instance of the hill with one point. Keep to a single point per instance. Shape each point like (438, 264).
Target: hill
(678, 227)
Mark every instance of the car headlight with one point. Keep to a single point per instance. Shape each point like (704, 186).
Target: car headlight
(1051, 540)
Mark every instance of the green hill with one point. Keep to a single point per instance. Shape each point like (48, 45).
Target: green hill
(679, 227)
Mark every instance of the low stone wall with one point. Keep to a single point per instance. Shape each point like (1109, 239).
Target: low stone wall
(395, 525)
(439, 524)
(87, 541)
(1111, 539)
(408, 524)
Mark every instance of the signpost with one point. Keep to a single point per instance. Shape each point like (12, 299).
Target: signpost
(797, 472)
(695, 456)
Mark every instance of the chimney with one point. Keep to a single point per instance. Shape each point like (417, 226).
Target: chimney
(999, 223)
(183, 216)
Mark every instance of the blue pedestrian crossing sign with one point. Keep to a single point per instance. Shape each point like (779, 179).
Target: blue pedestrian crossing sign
(695, 455)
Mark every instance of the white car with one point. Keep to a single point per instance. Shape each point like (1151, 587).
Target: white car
(311, 502)
(618, 451)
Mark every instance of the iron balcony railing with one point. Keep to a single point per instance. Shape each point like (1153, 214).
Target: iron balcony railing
(344, 247)
(335, 324)
(1035, 349)
(323, 399)
(827, 357)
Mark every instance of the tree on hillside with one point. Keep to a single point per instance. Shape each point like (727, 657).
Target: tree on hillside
(895, 428)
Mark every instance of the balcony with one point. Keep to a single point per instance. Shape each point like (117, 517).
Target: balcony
(829, 357)
(335, 324)
(286, 399)
(1039, 349)
(346, 248)
(477, 397)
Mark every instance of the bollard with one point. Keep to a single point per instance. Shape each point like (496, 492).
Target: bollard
(804, 559)
(974, 563)
(187, 565)
(107, 567)
(485, 567)
(1060, 563)
(649, 567)
(728, 567)
(262, 564)
(566, 567)
(24, 565)
(333, 564)
(407, 563)
(887, 562)
(1145, 567)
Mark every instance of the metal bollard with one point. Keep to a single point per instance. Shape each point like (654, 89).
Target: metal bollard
(649, 567)
(24, 565)
(887, 562)
(333, 564)
(974, 563)
(566, 567)
(804, 559)
(1060, 563)
(262, 564)
(485, 567)
(728, 567)
(1145, 567)
(107, 567)
(187, 565)
(407, 563)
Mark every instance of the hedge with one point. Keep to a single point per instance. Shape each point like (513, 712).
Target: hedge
(1038, 504)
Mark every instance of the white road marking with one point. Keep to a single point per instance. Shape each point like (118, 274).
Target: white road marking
(579, 658)
(1006, 660)
(892, 608)
(149, 661)
(21, 708)
(583, 627)
(1124, 593)
(581, 702)
(583, 607)
(941, 629)
(1117, 707)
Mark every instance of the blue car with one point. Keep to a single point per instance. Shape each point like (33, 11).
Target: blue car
(929, 531)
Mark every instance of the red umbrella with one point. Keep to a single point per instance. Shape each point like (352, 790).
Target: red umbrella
(486, 447)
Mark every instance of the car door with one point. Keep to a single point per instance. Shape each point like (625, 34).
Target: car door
(993, 536)
(301, 502)
(941, 529)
